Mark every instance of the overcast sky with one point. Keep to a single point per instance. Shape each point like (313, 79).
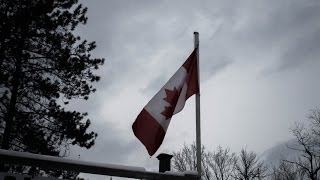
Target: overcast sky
(259, 71)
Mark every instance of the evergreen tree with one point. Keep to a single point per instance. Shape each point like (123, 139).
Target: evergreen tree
(42, 63)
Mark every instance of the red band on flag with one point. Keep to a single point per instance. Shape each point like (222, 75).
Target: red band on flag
(192, 79)
(148, 131)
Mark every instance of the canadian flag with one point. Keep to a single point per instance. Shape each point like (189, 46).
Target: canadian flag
(152, 123)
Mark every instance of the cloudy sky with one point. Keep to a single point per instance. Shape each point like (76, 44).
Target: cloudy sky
(259, 71)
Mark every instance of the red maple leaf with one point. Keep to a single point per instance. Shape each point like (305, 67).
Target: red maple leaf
(172, 99)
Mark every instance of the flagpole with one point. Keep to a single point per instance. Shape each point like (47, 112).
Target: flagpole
(198, 129)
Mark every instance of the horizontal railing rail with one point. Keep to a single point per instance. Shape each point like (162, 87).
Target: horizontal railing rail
(29, 159)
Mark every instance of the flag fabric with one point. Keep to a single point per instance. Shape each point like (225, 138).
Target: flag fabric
(152, 123)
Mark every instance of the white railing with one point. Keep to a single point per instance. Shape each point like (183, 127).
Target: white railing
(29, 159)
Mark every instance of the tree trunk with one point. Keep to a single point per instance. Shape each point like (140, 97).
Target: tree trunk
(12, 107)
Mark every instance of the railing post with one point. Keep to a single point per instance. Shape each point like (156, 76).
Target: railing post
(164, 162)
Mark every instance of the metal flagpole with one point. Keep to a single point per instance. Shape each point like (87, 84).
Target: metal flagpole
(198, 129)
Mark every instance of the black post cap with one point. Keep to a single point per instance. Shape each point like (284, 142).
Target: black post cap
(164, 162)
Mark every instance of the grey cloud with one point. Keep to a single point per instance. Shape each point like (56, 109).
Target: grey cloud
(154, 85)
(267, 27)
(126, 30)
(281, 151)
(213, 66)
(246, 27)
(304, 50)
(110, 146)
(208, 68)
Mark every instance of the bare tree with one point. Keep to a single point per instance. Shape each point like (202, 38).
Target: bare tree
(186, 160)
(221, 163)
(248, 166)
(285, 171)
(314, 118)
(307, 144)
